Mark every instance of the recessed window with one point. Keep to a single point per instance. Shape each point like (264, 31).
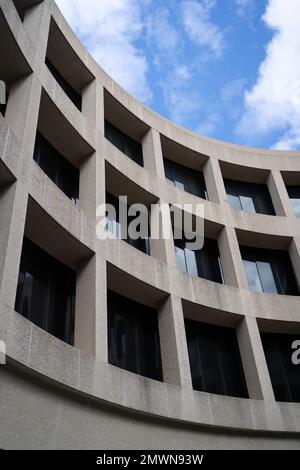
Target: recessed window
(269, 271)
(133, 337)
(70, 92)
(46, 292)
(130, 147)
(187, 179)
(294, 195)
(205, 263)
(249, 197)
(57, 168)
(283, 372)
(215, 361)
(120, 231)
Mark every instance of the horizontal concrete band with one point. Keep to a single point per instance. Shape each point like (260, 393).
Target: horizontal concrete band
(40, 353)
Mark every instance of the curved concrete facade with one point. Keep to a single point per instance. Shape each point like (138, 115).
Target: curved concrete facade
(53, 395)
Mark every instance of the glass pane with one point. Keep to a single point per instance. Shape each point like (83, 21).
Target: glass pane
(296, 206)
(215, 359)
(191, 262)
(252, 276)
(180, 259)
(267, 277)
(247, 204)
(234, 201)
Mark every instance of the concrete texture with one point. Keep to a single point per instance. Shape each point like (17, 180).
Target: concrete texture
(56, 396)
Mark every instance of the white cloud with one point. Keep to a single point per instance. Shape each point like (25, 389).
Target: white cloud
(109, 29)
(243, 6)
(199, 26)
(273, 104)
(210, 125)
(161, 31)
(232, 95)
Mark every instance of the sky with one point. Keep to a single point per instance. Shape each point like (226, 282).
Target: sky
(228, 69)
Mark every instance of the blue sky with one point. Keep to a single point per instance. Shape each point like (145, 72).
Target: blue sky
(229, 69)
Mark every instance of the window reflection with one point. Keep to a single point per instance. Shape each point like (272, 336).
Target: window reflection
(249, 197)
(215, 361)
(133, 337)
(269, 271)
(187, 179)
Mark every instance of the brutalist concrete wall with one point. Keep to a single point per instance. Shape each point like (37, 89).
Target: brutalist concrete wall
(56, 396)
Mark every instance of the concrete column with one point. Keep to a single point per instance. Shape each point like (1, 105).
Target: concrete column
(214, 181)
(37, 22)
(254, 361)
(152, 152)
(85, 312)
(231, 259)
(175, 359)
(294, 252)
(279, 194)
(23, 109)
(13, 206)
(90, 96)
(100, 326)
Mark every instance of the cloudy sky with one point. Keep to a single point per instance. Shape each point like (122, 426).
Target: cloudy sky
(229, 69)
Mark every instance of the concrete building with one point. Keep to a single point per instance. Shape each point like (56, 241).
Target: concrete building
(69, 136)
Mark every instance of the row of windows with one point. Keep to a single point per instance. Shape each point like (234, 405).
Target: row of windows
(268, 271)
(46, 296)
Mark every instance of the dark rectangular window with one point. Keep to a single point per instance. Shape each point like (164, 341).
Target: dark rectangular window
(133, 337)
(215, 361)
(294, 194)
(269, 271)
(114, 226)
(57, 168)
(191, 181)
(205, 263)
(249, 197)
(285, 376)
(130, 147)
(46, 292)
(68, 89)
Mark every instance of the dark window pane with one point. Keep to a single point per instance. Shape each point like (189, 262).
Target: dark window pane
(215, 361)
(185, 178)
(142, 244)
(269, 271)
(294, 194)
(284, 374)
(124, 143)
(133, 337)
(57, 168)
(70, 92)
(46, 292)
(205, 263)
(252, 197)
